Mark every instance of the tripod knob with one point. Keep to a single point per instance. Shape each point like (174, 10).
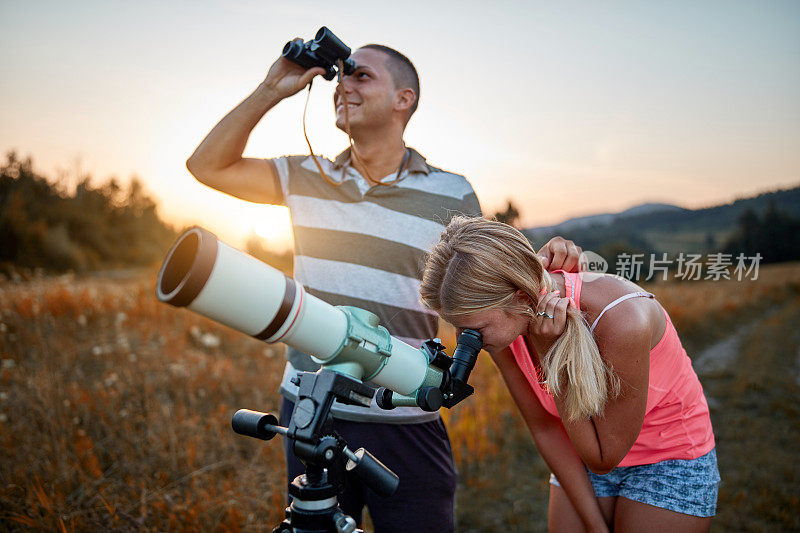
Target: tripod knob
(344, 523)
(254, 424)
(372, 472)
(326, 451)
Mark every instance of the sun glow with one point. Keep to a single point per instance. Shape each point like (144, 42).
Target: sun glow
(267, 230)
(272, 225)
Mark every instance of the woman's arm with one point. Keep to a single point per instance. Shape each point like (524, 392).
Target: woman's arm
(552, 442)
(623, 338)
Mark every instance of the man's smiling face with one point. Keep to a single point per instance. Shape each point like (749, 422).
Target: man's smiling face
(369, 90)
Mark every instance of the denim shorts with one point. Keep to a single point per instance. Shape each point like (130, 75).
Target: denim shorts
(684, 486)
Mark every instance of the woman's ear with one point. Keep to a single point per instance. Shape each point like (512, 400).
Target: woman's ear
(522, 298)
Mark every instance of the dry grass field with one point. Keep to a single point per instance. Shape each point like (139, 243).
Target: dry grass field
(115, 412)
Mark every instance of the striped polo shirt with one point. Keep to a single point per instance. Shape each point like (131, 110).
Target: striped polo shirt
(365, 246)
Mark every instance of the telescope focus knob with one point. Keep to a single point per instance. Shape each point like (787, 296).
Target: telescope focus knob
(383, 397)
(430, 399)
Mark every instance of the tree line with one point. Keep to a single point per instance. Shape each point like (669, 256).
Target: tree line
(760, 227)
(775, 234)
(45, 225)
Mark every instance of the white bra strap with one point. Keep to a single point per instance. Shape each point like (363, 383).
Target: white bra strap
(620, 300)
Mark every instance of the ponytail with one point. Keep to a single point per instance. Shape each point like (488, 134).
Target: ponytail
(573, 368)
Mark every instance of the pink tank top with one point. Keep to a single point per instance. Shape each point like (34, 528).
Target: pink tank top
(676, 421)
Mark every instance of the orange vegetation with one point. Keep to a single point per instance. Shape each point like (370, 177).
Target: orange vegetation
(115, 410)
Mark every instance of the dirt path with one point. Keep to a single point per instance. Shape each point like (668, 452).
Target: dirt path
(720, 355)
(750, 379)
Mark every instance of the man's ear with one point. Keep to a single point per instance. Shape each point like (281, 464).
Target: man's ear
(404, 99)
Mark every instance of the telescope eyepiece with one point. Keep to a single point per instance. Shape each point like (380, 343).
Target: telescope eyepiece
(469, 345)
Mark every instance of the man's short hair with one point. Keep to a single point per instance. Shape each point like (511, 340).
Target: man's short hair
(404, 75)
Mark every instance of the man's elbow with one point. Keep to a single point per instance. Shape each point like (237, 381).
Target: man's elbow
(196, 169)
(191, 164)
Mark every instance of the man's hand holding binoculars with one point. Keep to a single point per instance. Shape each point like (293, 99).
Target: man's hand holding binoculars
(285, 78)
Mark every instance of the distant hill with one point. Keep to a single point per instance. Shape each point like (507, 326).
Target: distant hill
(658, 228)
(606, 218)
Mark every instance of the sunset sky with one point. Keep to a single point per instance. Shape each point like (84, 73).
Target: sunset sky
(571, 108)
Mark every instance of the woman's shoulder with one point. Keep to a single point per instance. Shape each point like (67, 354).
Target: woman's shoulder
(599, 290)
(634, 315)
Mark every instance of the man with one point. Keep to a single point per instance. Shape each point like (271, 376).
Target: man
(361, 232)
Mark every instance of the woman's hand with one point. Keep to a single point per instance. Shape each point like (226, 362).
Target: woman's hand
(549, 322)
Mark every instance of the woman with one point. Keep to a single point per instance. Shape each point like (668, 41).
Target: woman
(615, 408)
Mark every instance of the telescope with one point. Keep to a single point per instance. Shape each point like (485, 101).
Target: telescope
(230, 287)
(233, 288)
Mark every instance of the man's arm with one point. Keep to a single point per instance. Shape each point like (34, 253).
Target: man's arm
(218, 162)
(560, 254)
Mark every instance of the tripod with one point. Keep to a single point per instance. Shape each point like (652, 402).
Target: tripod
(314, 507)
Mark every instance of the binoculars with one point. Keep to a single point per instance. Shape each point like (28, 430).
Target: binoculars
(324, 51)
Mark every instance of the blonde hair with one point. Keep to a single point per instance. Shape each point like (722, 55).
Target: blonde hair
(480, 264)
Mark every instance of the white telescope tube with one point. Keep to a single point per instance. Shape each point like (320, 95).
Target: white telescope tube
(233, 288)
(228, 286)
